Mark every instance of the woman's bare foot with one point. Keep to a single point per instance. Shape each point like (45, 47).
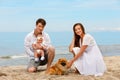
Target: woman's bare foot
(76, 71)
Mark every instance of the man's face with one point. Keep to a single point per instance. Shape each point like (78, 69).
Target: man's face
(39, 28)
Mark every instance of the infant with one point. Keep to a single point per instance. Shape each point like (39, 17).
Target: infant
(39, 48)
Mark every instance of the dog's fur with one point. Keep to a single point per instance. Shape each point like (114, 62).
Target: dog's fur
(59, 68)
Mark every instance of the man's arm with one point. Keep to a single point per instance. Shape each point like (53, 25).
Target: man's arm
(47, 41)
(44, 46)
(28, 47)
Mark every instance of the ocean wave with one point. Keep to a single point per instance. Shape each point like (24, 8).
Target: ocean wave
(63, 50)
(13, 57)
(24, 56)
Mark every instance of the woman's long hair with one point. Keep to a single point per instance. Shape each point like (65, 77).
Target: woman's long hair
(77, 37)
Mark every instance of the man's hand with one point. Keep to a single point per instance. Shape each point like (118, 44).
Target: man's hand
(39, 46)
(34, 46)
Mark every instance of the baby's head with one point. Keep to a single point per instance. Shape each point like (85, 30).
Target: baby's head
(39, 38)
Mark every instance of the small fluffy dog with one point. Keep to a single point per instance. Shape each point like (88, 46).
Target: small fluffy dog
(59, 68)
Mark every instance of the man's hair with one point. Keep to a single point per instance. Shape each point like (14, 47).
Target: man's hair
(42, 21)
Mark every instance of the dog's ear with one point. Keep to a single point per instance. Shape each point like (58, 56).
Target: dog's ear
(59, 59)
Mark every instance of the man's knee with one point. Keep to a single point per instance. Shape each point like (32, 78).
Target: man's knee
(51, 52)
(52, 49)
(32, 69)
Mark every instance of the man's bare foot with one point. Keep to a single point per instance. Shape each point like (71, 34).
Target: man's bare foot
(32, 69)
(47, 70)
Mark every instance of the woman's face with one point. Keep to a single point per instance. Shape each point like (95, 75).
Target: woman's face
(78, 30)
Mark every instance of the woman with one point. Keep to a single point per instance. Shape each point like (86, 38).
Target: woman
(87, 59)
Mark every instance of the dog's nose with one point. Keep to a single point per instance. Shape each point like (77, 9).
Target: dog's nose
(63, 64)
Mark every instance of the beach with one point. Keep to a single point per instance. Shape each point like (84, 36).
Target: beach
(19, 72)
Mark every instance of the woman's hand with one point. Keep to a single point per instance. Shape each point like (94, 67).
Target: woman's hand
(70, 63)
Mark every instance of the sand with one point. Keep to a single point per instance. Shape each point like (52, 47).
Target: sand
(19, 72)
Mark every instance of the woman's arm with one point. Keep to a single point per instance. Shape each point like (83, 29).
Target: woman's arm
(82, 49)
(71, 45)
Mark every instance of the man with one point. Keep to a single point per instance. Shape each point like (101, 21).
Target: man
(30, 39)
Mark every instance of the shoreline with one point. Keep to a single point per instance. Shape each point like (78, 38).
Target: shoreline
(19, 72)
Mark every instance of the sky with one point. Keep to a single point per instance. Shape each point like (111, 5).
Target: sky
(60, 15)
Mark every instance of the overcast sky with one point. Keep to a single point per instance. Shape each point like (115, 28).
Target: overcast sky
(60, 15)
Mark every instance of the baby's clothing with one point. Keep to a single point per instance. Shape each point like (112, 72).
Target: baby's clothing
(42, 58)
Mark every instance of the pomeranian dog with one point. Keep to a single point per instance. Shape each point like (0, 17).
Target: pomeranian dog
(59, 68)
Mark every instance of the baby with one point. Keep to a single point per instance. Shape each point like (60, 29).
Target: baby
(39, 48)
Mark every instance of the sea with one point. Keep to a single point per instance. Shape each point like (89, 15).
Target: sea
(12, 50)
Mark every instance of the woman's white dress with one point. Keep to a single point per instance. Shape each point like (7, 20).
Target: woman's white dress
(91, 62)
